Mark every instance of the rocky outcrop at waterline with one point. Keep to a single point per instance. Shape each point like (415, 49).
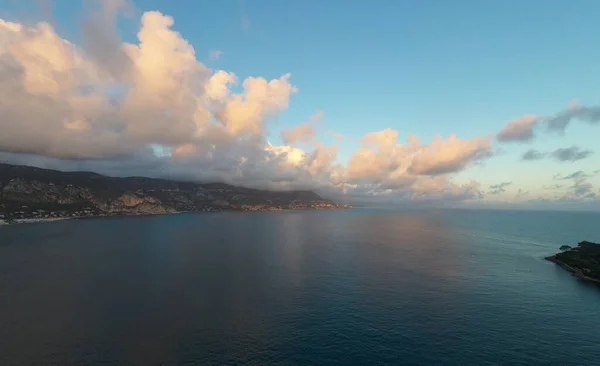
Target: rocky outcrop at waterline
(583, 260)
(28, 193)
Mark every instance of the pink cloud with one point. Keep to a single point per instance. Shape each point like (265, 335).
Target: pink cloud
(520, 129)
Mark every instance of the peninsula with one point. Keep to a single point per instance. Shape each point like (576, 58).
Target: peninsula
(35, 194)
(583, 260)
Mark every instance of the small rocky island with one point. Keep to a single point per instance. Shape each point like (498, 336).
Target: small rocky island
(29, 194)
(583, 260)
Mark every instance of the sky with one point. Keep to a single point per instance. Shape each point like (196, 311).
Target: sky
(491, 104)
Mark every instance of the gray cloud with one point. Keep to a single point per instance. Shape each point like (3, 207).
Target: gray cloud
(521, 193)
(575, 175)
(572, 153)
(101, 42)
(499, 188)
(522, 128)
(533, 155)
(582, 188)
(519, 130)
(560, 121)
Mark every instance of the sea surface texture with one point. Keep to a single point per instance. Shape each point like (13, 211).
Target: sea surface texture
(360, 286)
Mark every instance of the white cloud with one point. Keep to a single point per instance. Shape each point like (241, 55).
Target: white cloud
(109, 106)
(260, 101)
(449, 156)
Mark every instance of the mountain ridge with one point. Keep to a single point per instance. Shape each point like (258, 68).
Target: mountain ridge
(32, 193)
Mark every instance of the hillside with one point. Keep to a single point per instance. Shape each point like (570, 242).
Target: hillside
(582, 260)
(35, 193)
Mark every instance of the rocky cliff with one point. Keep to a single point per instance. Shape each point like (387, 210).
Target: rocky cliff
(34, 193)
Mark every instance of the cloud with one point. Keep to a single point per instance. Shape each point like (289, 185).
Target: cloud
(499, 188)
(306, 132)
(165, 96)
(520, 129)
(101, 42)
(581, 188)
(303, 133)
(215, 55)
(337, 136)
(381, 158)
(533, 155)
(576, 175)
(44, 106)
(441, 189)
(573, 153)
(150, 108)
(521, 193)
(260, 101)
(561, 120)
(554, 186)
(318, 116)
(452, 155)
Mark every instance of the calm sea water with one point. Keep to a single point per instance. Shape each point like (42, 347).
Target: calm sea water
(361, 286)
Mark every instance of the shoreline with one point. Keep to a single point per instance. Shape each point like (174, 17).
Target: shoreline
(65, 218)
(35, 221)
(52, 219)
(576, 272)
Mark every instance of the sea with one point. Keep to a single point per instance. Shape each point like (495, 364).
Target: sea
(366, 286)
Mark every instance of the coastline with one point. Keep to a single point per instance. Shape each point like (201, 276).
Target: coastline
(35, 221)
(52, 219)
(576, 272)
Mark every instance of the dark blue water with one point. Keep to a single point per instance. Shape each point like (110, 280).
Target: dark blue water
(316, 287)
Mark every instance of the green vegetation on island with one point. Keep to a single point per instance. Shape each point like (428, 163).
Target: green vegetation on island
(582, 260)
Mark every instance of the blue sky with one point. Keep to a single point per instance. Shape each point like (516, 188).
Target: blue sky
(423, 67)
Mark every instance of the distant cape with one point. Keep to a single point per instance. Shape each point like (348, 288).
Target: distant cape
(29, 193)
(583, 260)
